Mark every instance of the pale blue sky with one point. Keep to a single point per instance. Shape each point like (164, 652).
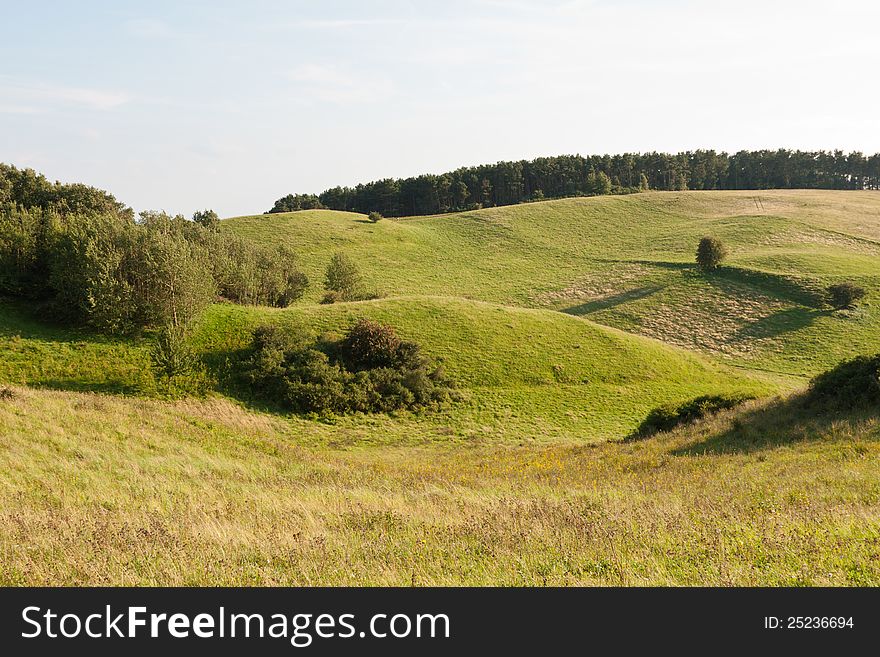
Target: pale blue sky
(183, 105)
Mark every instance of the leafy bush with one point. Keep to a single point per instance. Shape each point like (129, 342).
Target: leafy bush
(119, 277)
(369, 345)
(20, 234)
(845, 295)
(171, 354)
(667, 417)
(851, 384)
(343, 278)
(710, 253)
(375, 217)
(369, 370)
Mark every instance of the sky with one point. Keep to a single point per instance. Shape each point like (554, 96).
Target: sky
(187, 105)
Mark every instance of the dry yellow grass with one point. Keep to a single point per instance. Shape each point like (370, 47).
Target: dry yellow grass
(104, 490)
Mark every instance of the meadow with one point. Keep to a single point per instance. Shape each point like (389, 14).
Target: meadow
(562, 323)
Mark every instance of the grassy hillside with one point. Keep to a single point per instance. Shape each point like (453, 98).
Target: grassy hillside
(525, 374)
(101, 490)
(626, 261)
(563, 323)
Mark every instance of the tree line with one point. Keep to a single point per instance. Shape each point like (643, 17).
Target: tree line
(508, 183)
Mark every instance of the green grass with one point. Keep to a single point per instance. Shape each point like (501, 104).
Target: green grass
(99, 490)
(563, 323)
(626, 262)
(527, 374)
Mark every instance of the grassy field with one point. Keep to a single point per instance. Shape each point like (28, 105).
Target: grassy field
(95, 489)
(562, 323)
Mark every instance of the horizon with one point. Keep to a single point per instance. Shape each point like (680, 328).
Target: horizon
(216, 106)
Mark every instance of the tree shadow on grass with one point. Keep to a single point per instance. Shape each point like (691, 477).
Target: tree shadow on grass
(778, 323)
(775, 424)
(114, 387)
(613, 300)
(789, 288)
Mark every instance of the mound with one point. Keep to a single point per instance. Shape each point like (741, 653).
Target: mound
(530, 373)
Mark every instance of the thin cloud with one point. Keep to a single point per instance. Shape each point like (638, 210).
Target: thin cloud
(333, 85)
(35, 97)
(339, 24)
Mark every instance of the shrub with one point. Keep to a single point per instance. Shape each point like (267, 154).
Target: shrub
(370, 344)
(21, 233)
(710, 253)
(171, 354)
(343, 278)
(252, 274)
(375, 217)
(845, 295)
(178, 370)
(369, 370)
(851, 384)
(667, 417)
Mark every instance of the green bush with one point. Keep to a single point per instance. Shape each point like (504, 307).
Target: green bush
(369, 370)
(119, 277)
(375, 217)
(710, 253)
(343, 279)
(845, 295)
(369, 345)
(21, 233)
(669, 416)
(851, 384)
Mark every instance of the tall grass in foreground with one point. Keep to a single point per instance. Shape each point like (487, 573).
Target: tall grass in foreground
(98, 490)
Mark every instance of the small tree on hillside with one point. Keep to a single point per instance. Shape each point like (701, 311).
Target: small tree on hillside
(375, 217)
(643, 182)
(845, 295)
(207, 218)
(343, 280)
(710, 253)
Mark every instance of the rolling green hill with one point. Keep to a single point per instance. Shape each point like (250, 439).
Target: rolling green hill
(562, 323)
(525, 374)
(627, 262)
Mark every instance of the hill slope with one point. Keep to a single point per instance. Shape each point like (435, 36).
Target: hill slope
(626, 261)
(527, 374)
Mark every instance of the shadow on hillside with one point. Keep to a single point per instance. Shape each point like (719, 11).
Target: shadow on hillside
(789, 288)
(660, 264)
(117, 387)
(783, 321)
(778, 423)
(224, 366)
(613, 300)
(18, 321)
